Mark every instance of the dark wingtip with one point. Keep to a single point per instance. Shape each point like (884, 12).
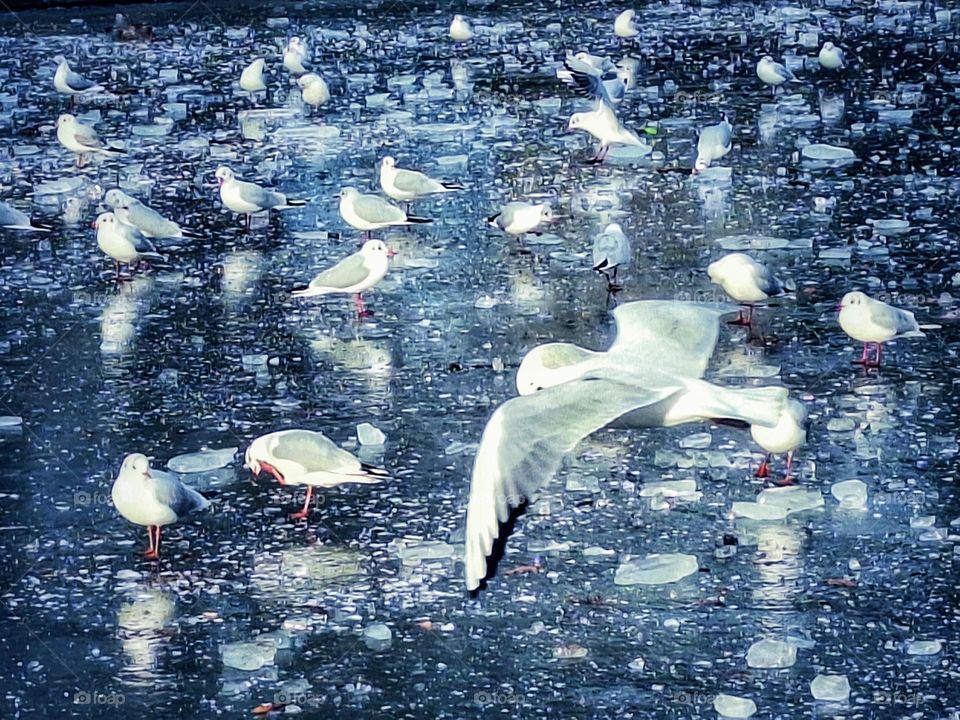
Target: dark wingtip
(504, 531)
(453, 186)
(419, 220)
(296, 203)
(374, 470)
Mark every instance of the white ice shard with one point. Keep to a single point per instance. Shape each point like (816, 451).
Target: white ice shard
(202, 461)
(756, 511)
(828, 154)
(771, 654)
(416, 553)
(367, 434)
(656, 569)
(792, 498)
(249, 656)
(731, 706)
(924, 647)
(851, 494)
(670, 489)
(377, 636)
(751, 242)
(830, 688)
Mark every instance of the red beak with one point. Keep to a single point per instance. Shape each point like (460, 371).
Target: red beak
(391, 253)
(94, 225)
(839, 307)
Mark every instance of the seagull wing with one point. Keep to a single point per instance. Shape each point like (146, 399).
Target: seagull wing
(675, 336)
(169, 491)
(347, 273)
(525, 442)
(377, 210)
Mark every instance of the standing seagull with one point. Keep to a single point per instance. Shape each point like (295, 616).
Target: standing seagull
(831, 57)
(354, 274)
(873, 322)
(13, 219)
(714, 143)
(611, 250)
(251, 79)
(371, 212)
(746, 281)
(81, 139)
(519, 218)
(408, 185)
(123, 242)
(248, 198)
(605, 126)
(460, 29)
(786, 436)
(624, 26)
(773, 73)
(147, 220)
(294, 56)
(67, 82)
(313, 89)
(154, 498)
(304, 457)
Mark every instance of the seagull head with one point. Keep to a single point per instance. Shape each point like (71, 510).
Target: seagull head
(347, 193)
(60, 60)
(576, 121)
(388, 162)
(104, 220)
(372, 248)
(549, 365)
(701, 164)
(852, 299)
(65, 120)
(546, 213)
(250, 462)
(766, 59)
(305, 80)
(223, 174)
(828, 46)
(136, 464)
(117, 198)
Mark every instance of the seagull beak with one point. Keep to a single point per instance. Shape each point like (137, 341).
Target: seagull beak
(839, 307)
(391, 252)
(95, 225)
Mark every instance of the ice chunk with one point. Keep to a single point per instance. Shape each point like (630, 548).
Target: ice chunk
(889, 227)
(751, 242)
(571, 651)
(830, 688)
(696, 441)
(637, 664)
(755, 511)
(367, 434)
(828, 154)
(850, 494)
(924, 647)
(485, 302)
(202, 461)
(377, 636)
(9, 421)
(791, 498)
(669, 488)
(731, 706)
(249, 656)
(843, 424)
(771, 654)
(414, 554)
(656, 569)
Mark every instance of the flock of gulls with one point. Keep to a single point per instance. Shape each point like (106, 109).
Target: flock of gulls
(650, 376)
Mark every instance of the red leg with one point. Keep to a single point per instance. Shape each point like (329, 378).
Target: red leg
(879, 354)
(361, 308)
(764, 469)
(306, 506)
(788, 478)
(863, 356)
(152, 552)
(743, 320)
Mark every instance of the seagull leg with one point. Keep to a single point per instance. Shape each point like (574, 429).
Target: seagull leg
(743, 320)
(787, 478)
(153, 552)
(764, 469)
(361, 308)
(863, 356)
(306, 506)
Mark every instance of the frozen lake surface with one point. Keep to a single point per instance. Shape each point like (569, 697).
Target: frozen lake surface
(633, 599)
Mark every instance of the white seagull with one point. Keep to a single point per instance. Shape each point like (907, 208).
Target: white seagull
(248, 198)
(151, 223)
(372, 212)
(251, 79)
(460, 29)
(122, 242)
(650, 377)
(831, 57)
(519, 218)
(773, 73)
(611, 251)
(873, 322)
(746, 281)
(305, 457)
(356, 273)
(595, 78)
(67, 82)
(714, 143)
(786, 436)
(154, 498)
(314, 89)
(604, 125)
(294, 56)
(13, 219)
(624, 26)
(81, 139)
(409, 185)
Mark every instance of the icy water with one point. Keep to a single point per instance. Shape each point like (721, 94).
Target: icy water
(210, 351)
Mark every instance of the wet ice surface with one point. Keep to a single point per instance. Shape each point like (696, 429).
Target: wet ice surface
(362, 610)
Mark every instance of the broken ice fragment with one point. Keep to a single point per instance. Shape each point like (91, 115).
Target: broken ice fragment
(367, 434)
(249, 656)
(377, 636)
(656, 569)
(731, 706)
(769, 654)
(830, 688)
(851, 494)
(924, 647)
(202, 461)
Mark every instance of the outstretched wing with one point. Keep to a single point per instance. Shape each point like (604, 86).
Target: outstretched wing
(675, 336)
(524, 443)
